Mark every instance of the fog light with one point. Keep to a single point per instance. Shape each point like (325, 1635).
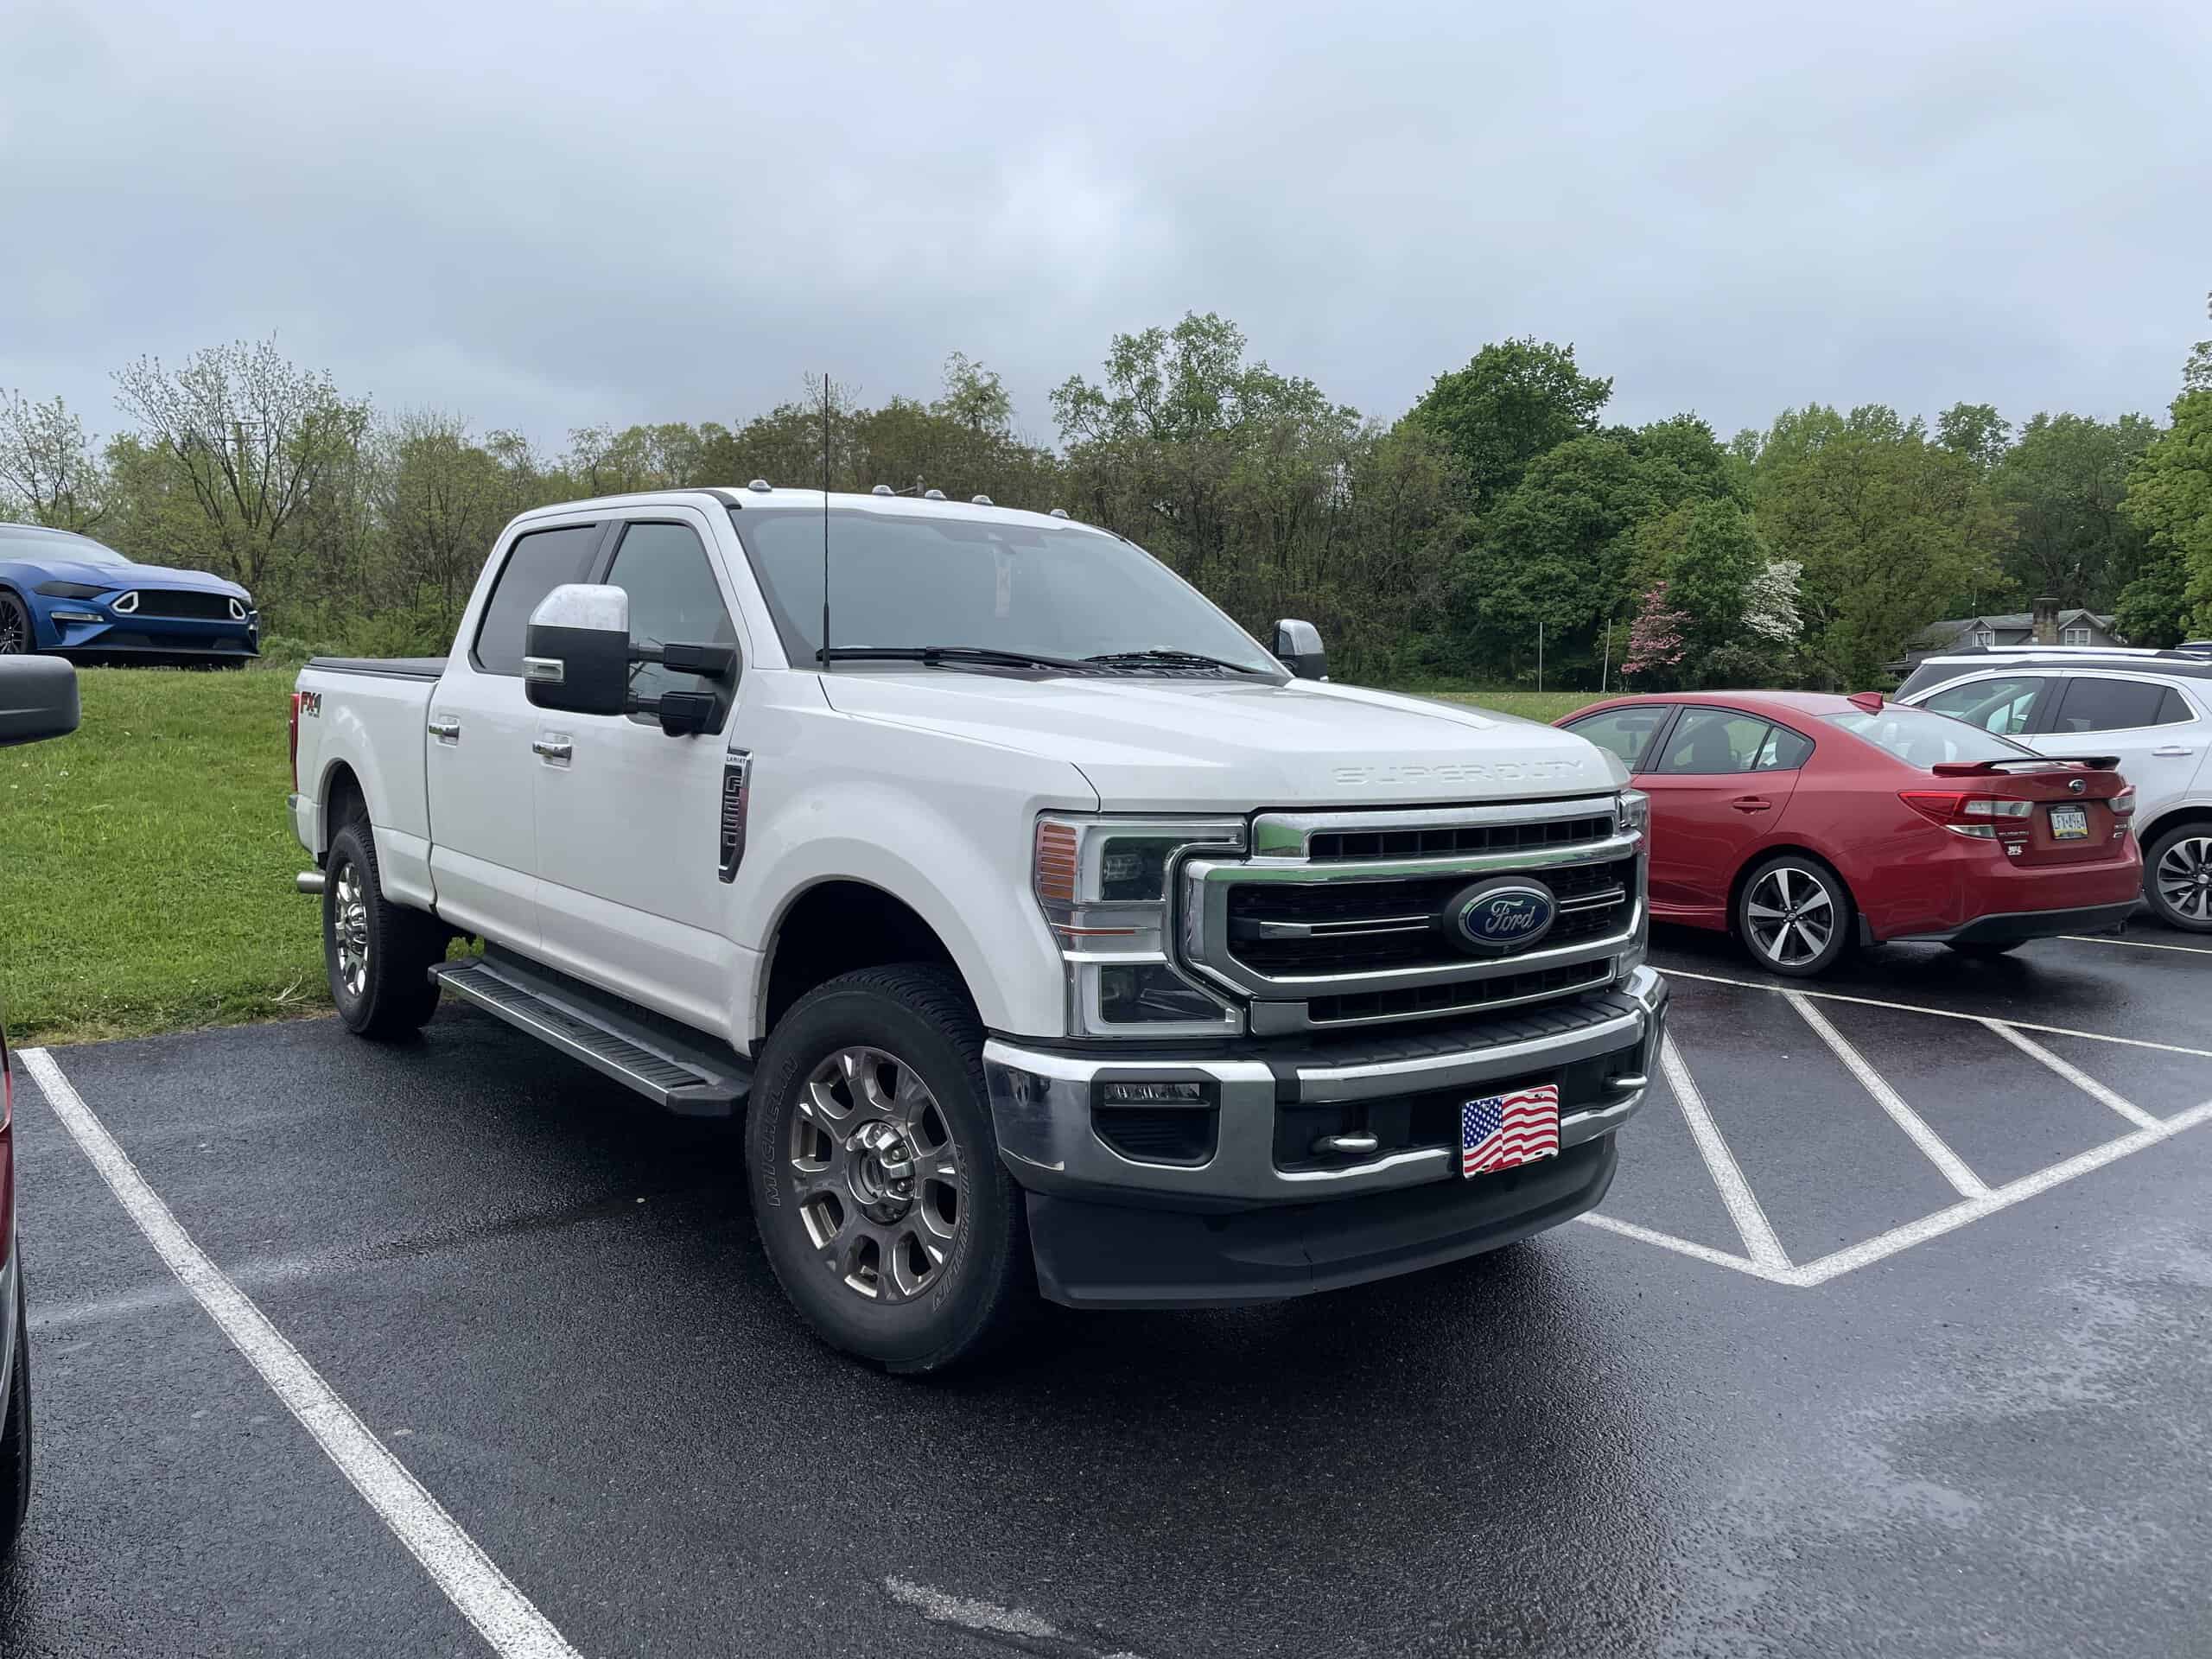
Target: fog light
(1155, 1094)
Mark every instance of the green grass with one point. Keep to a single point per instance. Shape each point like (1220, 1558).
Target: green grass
(1546, 706)
(146, 862)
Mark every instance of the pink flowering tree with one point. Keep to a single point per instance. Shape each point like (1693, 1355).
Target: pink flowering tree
(1658, 642)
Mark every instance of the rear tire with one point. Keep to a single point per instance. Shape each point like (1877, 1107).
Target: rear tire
(378, 954)
(875, 1177)
(1795, 916)
(2177, 877)
(16, 1434)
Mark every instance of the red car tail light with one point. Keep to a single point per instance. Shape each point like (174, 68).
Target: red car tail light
(295, 742)
(2123, 805)
(1982, 817)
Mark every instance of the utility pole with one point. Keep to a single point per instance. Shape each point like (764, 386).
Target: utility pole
(1540, 654)
(1606, 667)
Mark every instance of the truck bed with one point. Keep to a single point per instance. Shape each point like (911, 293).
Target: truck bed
(402, 668)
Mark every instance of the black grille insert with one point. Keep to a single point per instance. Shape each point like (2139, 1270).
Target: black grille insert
(1440, 840)
(182, 603)
(1467, 995)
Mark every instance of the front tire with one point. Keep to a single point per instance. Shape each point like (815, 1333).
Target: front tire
(2177, 877)
(1795, 916)
(874, 1173)
(16, 1434)
(18, 637)
(379, 954)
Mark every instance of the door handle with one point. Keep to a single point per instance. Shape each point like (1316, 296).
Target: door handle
(2173, 751)
(1753, 804)
(445, 728)
(554, 748)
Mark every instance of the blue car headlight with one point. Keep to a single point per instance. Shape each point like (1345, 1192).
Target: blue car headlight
(68, 590)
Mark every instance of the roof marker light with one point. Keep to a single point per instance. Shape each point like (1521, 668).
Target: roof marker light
(1060, 512)
(933, 495)
(760, 486)
(883, 489)
(983, 500)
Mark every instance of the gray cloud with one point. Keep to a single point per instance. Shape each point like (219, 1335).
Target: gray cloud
(542, 216)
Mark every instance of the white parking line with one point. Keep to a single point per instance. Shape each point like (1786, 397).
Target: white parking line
(2140, 944)
(1744, 1209)
(1685, 1247)
(1954, 1167)
(2074, 1074)
(1941, 1013)
(485, 1596)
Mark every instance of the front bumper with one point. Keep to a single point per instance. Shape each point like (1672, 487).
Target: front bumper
(1098, 1213)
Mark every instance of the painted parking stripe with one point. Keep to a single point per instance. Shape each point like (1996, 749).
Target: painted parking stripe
(1944, 1221)
(2139, 945)
(1932, 1145)
(1743, 1207)
(1941, 1013)
(2074, 1074)
(484, 1595)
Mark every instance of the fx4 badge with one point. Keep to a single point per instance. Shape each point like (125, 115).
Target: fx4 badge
(311, 705)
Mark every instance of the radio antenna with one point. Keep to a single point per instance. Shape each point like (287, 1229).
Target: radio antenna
(826, 660)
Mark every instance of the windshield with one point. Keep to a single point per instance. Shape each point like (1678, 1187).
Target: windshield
(1921, 739)
(907, 580)
(34, 542)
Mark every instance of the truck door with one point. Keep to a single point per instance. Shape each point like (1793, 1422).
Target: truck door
(629, 819)
(480, 767)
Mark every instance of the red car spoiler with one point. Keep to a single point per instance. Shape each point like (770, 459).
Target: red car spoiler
(1976, 768)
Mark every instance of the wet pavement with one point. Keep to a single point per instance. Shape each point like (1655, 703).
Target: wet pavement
(1822, 1383)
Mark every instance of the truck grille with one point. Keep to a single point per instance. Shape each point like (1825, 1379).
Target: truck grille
(1361, 925)
(1339, 919)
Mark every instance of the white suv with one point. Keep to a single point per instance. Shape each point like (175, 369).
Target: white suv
(2153, 709)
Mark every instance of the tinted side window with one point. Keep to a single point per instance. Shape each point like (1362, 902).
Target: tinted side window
(1785, 750)
(537, 564)
(2006, 706)
(2174, 709)
(673, 599)
(2109, 705)
(1708, 740)
(1626, 732)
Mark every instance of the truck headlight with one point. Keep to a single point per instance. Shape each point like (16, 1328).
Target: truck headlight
(1104, 886)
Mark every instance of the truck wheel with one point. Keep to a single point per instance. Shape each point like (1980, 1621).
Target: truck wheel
(378, 954)
(2177, 877)
(875, 1174)
(16, 1434)
(1794, 915)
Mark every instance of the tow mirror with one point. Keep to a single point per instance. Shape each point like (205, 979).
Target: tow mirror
(38, 699)
(1298, 645)
(580, 656)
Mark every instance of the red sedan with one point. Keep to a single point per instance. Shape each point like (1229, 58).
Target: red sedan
(1806, 824)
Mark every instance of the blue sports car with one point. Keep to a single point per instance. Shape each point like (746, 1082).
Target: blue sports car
(68, 594)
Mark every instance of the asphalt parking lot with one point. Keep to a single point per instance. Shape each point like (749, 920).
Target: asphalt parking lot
(1891, 1338)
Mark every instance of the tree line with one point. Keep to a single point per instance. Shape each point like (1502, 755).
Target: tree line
(1501, 511)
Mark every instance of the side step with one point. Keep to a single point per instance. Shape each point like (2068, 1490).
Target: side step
(682, 1074)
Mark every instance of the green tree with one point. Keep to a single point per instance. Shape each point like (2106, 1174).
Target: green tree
(1975, 433)
(47, 465)
(2169, 499)
(1515, 401)
(2060, 485)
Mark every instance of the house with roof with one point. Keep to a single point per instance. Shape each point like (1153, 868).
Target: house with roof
(2046, 624)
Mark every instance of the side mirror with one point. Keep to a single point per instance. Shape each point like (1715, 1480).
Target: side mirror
(38, 699)
(1298, 645)
(577, 651)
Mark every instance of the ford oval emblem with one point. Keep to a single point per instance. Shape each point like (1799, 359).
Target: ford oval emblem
(1510, 914)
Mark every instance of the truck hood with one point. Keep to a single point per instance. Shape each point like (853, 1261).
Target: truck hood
(1164, 746)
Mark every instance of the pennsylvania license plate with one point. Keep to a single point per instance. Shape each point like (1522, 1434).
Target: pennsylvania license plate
(2070, 823)
(1499, 1131)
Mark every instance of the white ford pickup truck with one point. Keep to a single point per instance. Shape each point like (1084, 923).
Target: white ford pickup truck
(1049, 933)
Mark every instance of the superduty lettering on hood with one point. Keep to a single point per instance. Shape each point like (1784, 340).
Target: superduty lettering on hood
(1403, 774)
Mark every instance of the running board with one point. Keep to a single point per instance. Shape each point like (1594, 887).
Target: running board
(680, 1074)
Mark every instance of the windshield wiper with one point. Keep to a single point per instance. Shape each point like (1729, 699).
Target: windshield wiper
(1189, 658)
(933, 654)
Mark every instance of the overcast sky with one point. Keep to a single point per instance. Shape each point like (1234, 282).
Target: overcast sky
(545, 215)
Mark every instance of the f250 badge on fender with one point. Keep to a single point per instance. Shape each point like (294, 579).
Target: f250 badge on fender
(1457, 772)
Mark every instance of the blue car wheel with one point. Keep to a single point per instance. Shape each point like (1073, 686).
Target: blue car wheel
(17, 638)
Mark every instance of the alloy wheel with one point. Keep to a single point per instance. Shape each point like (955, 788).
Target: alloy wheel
(872, 1159)
(2184, 878)
(1790, 915)
(15, 629)
(349, 921)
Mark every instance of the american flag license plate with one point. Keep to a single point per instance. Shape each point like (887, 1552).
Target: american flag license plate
(1499, 1131)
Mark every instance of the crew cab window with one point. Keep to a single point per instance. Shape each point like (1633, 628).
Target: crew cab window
(1627, 732)
(673, 599)
(2006, 706)
(537, 564)
(2117, 706)
(1709, 740)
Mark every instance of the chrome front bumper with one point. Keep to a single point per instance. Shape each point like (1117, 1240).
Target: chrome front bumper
(1041, 1108)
